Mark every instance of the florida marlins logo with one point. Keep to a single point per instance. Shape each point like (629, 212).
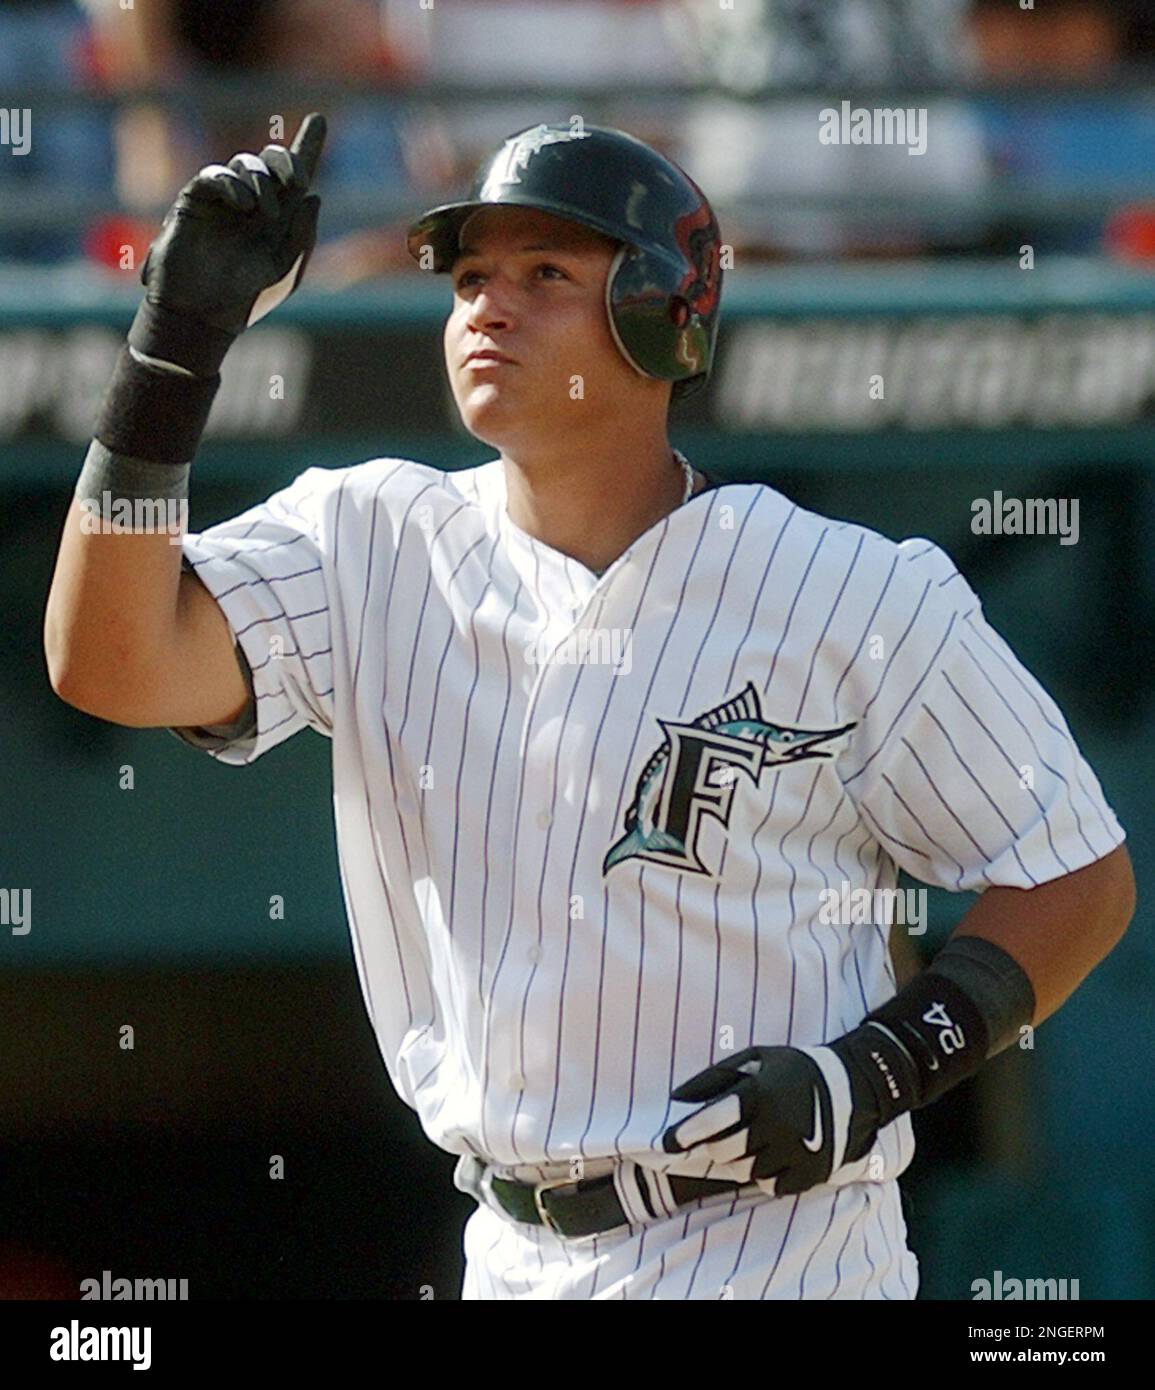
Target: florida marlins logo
(693, 774)
(518, 150)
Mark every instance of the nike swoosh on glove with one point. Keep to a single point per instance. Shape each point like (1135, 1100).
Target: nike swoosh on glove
(782, 1117)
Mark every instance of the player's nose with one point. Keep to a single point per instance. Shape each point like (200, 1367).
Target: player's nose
(491, 307)
(490, 324)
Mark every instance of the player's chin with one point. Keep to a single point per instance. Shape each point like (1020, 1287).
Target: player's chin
(481, 402)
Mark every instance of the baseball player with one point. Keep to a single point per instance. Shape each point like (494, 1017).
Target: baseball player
(609, 736)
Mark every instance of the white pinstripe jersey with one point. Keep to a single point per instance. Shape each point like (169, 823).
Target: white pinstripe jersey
(584, 823)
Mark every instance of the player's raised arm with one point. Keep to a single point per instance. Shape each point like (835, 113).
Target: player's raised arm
(127, 636)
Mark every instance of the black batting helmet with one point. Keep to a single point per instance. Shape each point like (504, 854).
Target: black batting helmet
(664, 287)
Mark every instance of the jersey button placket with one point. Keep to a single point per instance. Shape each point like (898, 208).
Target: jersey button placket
(541, 754)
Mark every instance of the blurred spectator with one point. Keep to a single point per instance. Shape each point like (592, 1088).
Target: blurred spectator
(159, 146)
(743, 150)
(43, 45)
(555, 44)
(1098, 142)
(781, 191)
(1065, 39)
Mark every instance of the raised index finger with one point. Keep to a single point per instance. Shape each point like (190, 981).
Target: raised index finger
(307, 143)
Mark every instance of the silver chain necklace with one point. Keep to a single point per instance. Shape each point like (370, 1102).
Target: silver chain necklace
(687, 473)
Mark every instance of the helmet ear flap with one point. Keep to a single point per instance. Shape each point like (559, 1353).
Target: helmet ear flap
(645, 300)
(611, 301)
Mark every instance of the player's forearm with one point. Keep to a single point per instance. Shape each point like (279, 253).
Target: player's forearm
(111, 612)
(1015, 957)
(113, 606)
(1059, 931)
(125, 637)
(1012, 961)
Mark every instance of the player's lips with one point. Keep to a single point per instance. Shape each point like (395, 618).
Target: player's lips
(488, 357)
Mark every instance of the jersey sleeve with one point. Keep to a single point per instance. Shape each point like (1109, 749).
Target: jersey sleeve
(265, 568)
(974, 779)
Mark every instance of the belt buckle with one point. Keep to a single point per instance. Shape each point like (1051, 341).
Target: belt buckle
(547, 1220)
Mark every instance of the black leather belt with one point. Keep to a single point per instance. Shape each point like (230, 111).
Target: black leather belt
(589, 1206)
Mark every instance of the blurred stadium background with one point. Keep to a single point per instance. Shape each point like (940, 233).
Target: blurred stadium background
(1026, 371)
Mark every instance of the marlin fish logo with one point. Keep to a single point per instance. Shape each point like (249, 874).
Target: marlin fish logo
(518, 150)
(692, 775)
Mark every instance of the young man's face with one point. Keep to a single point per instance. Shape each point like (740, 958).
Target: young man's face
(531, 287)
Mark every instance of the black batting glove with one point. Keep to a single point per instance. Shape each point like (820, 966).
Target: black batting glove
(232, 247)
(787, 1117)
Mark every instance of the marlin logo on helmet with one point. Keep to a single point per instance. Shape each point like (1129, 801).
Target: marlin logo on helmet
(518, 150)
